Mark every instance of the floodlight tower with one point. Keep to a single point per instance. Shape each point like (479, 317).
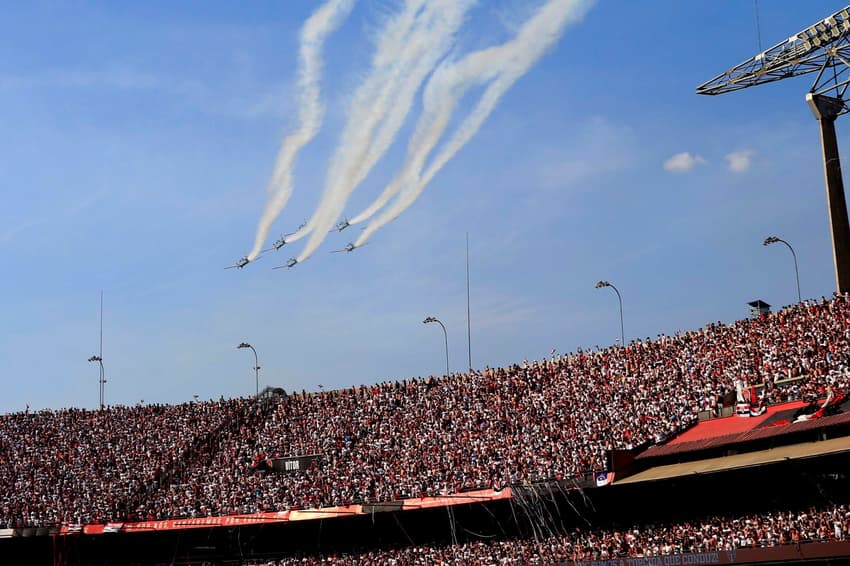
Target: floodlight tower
(824, 49)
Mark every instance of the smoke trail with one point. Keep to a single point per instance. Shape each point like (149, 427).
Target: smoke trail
(390, 40)
(410, 47)
(315, 30)
(501, 66)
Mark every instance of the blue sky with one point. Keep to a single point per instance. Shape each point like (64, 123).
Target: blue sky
(136, 143)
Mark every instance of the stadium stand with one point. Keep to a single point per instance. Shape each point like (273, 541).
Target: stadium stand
(78, 466)
(708, 536)
(536, 421)
(680, 526)
(532, 422)
(528, 424)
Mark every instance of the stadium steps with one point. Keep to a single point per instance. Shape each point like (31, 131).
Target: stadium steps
(202, 450)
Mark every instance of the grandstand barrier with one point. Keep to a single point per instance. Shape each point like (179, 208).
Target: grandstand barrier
(588, 481)
(457, 499)
(371, 508)
(280, 516)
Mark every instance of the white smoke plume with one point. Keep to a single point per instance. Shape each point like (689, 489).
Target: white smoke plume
(409, 47)
(315, 30)
(499, 66)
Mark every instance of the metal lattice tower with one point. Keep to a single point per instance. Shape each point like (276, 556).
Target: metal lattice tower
(824, 49)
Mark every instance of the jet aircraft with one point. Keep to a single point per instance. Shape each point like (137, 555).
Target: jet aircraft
(289, 264)
(277, 245)
(282, 240)
(341, 226)
(348, 249)
(239, 264)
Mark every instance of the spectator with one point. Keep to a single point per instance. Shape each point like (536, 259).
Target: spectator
(530, 422)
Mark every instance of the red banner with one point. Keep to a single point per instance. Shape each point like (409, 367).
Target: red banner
(283, 516)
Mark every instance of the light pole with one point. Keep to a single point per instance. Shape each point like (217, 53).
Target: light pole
(256, 363)
(102, 378)
(772, 240)
(445, 335)
(599, 285)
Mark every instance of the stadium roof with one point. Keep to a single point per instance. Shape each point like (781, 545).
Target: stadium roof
(729, 431)
(737, 461)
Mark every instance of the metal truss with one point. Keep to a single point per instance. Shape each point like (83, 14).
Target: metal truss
(823, 48)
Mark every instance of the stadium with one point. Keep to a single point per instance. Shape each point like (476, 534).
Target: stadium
(723, 444)
(534, 463)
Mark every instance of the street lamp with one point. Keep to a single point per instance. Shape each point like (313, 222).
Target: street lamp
(599, 285)
(445, 335)
(256, 364)
(772, 240)
(102, 378)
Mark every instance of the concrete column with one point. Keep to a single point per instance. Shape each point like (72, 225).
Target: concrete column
(826, 110)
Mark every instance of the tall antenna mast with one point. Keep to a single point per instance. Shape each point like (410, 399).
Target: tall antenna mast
(100, 355)
(822, 48)
(468, 323)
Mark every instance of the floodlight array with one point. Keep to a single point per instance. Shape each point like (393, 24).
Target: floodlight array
(802, 53)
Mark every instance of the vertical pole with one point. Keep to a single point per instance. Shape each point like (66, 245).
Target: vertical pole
(446, 336)
(796, 269)
(622, 332)
(256, 372)
(837, 205)
(826, 110)
(468, 323)
(797, 275)
(758, 23)
(100, 351)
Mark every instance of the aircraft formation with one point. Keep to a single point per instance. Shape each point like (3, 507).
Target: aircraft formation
(292, 262)
(282, 241)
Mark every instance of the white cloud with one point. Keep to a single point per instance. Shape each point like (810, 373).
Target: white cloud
(740, 161)
(683, 162)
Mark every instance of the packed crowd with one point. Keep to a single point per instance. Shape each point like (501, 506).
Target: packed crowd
(82, 466)
(528, 422)
(708, 535)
